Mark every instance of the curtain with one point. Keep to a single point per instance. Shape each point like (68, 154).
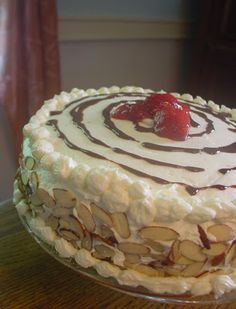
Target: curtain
(29, 59)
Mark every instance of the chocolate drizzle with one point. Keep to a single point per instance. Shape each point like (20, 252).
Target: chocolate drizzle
(226, 170)
(77, 117)
(231, 148)
(193, 123)
(77, 114)
(209, 126)
(54, 124)
(110, 124)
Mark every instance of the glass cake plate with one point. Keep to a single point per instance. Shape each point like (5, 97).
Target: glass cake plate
(133, 291)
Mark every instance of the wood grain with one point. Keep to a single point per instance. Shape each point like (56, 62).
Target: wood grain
(31, 279)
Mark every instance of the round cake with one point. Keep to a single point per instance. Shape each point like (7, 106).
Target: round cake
(139, 184)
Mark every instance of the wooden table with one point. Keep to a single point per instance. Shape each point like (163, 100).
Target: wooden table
(31, 279)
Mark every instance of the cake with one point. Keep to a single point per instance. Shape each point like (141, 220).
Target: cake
(139, 185)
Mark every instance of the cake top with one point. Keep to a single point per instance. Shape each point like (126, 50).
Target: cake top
(86, 133)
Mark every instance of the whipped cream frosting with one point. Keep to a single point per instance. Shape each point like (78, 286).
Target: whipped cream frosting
(73, 140)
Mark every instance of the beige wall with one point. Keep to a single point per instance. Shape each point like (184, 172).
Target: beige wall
(156, 64)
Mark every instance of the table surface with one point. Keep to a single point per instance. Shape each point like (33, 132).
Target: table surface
(31, 279)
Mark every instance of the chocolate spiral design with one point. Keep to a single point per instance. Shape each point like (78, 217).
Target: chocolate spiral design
(137, 149)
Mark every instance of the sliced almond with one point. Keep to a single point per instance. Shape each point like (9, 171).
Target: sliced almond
(193, 270)
(21, 186)
(217, 260)
(192, 251)
(222, 232)
(219, 272)
(157, 233)
(121, 224)
(203, 274)
(68, 234)
(157, 257)
(99, 256)
(30, 163)
(132, 258)
(61, 212)
(24, 177)
(64, 198)
(233, 262)
(28, 190)
(52, 222)
(133, 248)
(76, 226)
(173, 271)
(215, 249)
(106, 231)
(159, 261)
(109, 241)
(154, 245)
(39, 210)
(21, 161)
(230, 253)
(36, 200)
(203, 236)
(101, 214)
(86, 242)
(34, 181)
(73, 224)
(86, 217)
(147, 270)
(46, 198)
(104, 251)
(175, 254)
(108, 234)
(182, 260)
(64, 223)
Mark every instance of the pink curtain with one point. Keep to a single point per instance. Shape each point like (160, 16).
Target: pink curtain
(29, 59)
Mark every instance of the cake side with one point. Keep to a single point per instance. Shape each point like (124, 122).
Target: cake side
(139, 227)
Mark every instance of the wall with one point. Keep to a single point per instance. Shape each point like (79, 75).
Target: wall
(147, 63)
(160, 9)
(144, 43)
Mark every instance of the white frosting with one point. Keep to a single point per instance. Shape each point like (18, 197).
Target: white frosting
(40, 133)
(215, 107)
(48, 159)
(63, 166)
(200, 213)
(78, 175)
(84, 258)
(171, 209)
(64, 248)
(98, 180)
(41, 147)
(142, 212)
(118, 189)
(223, 284)
(107, 270)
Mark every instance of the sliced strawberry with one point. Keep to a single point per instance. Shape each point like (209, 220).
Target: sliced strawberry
(138, 112)
(156, 101)
(172, 120)
(121, 111)
(135, 112)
